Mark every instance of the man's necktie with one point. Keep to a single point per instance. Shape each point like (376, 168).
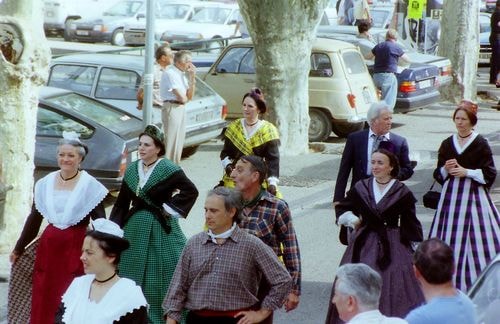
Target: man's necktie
(376, 142)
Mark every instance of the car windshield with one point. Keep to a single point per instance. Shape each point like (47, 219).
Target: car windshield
(211, 16)
(486, 296)
(124, 9)
(116, 121)
(173, 11)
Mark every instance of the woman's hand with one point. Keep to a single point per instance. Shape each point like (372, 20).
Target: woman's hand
(458, 172)
(450, 164)
(13, 257)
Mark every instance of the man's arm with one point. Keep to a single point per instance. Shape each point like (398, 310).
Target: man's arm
(140, 98)
(405, 59)
(405, 170)
(291, 254)
(346, 165)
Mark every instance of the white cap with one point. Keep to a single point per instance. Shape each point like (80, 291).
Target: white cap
(104, 225)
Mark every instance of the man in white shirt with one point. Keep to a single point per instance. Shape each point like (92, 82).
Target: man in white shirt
(164, 58)
(357, 295)
(177, 87)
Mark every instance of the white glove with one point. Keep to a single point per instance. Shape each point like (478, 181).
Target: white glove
(348, 219)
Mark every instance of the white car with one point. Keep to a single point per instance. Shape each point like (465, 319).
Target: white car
(170, 15)
(213, 22)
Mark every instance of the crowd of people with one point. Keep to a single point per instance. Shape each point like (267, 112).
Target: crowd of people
(139, 267)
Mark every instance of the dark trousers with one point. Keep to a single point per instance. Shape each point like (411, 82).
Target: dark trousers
(495, 61)
(192, 318)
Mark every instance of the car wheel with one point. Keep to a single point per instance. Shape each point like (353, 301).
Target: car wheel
(214, 46)
(343, 129)
(320, 125)
(66, 33)
(188, 151)
(117, 37)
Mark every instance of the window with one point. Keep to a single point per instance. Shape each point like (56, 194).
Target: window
(78, 78)
(354, 62)
(124, 9)
(320, 65)
(202, 90)
(117, 84)
(231, 61)
(51, 123)
(107, 116)
(248, 63)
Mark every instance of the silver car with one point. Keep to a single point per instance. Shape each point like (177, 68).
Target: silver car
(115, 78)
(110, 134)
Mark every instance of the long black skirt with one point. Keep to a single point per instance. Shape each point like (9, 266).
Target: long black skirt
(400, 289)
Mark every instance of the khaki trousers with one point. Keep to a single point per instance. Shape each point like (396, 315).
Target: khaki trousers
(173, 117)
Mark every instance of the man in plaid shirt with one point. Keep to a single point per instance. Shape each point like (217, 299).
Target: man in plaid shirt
(268, 218)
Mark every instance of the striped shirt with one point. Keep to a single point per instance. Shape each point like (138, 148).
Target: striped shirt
(271, 221)
(225, 277)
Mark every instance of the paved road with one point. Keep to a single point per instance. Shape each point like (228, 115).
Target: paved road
(307, 182)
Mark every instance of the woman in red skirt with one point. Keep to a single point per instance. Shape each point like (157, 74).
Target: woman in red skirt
(66, 199)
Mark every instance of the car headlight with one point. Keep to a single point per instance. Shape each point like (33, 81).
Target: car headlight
(99, 28)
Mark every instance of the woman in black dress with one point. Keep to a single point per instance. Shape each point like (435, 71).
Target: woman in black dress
(381, 210)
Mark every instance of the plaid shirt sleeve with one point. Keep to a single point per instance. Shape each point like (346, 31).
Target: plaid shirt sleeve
(289, 245)
(175, 299)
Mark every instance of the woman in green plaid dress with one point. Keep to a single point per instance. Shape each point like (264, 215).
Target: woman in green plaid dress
(148, 211)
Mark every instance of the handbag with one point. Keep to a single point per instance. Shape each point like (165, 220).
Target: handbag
(431, 197)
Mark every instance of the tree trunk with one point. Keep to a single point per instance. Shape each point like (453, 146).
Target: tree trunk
(282, 32)
(24, 59)
(459, 42)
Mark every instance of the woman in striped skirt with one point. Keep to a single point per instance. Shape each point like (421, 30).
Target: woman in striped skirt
(466, 218)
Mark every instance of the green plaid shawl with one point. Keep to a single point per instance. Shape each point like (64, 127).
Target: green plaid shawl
(152, 257)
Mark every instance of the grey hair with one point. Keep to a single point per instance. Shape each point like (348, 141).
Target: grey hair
(391, 34)
(376, 110)
(180, 56)
(362, 282)
(81, 148)
(232, 199)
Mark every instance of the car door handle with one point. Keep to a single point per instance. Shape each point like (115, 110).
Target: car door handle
(249, 80)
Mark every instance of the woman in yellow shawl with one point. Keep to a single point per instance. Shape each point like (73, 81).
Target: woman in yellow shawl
(252, 136)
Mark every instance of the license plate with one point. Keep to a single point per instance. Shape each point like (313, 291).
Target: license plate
(367, 97)
(82, 32)
(204, 116)
(425, 84)
(484, 56)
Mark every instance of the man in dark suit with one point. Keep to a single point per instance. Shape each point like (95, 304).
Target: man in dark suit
(360, 145)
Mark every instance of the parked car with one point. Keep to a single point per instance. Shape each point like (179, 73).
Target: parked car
(170, 15)
(57, 14)
(213, 22)
(110, 134)
(484, 38)
(349, 34)
(108, 26)
(485, 293)
(115, 78)
(490, 5)
(340, 88)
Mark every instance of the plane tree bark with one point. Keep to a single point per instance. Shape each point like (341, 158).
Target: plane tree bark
(24, 59)
(459, 42)
(282, 32)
